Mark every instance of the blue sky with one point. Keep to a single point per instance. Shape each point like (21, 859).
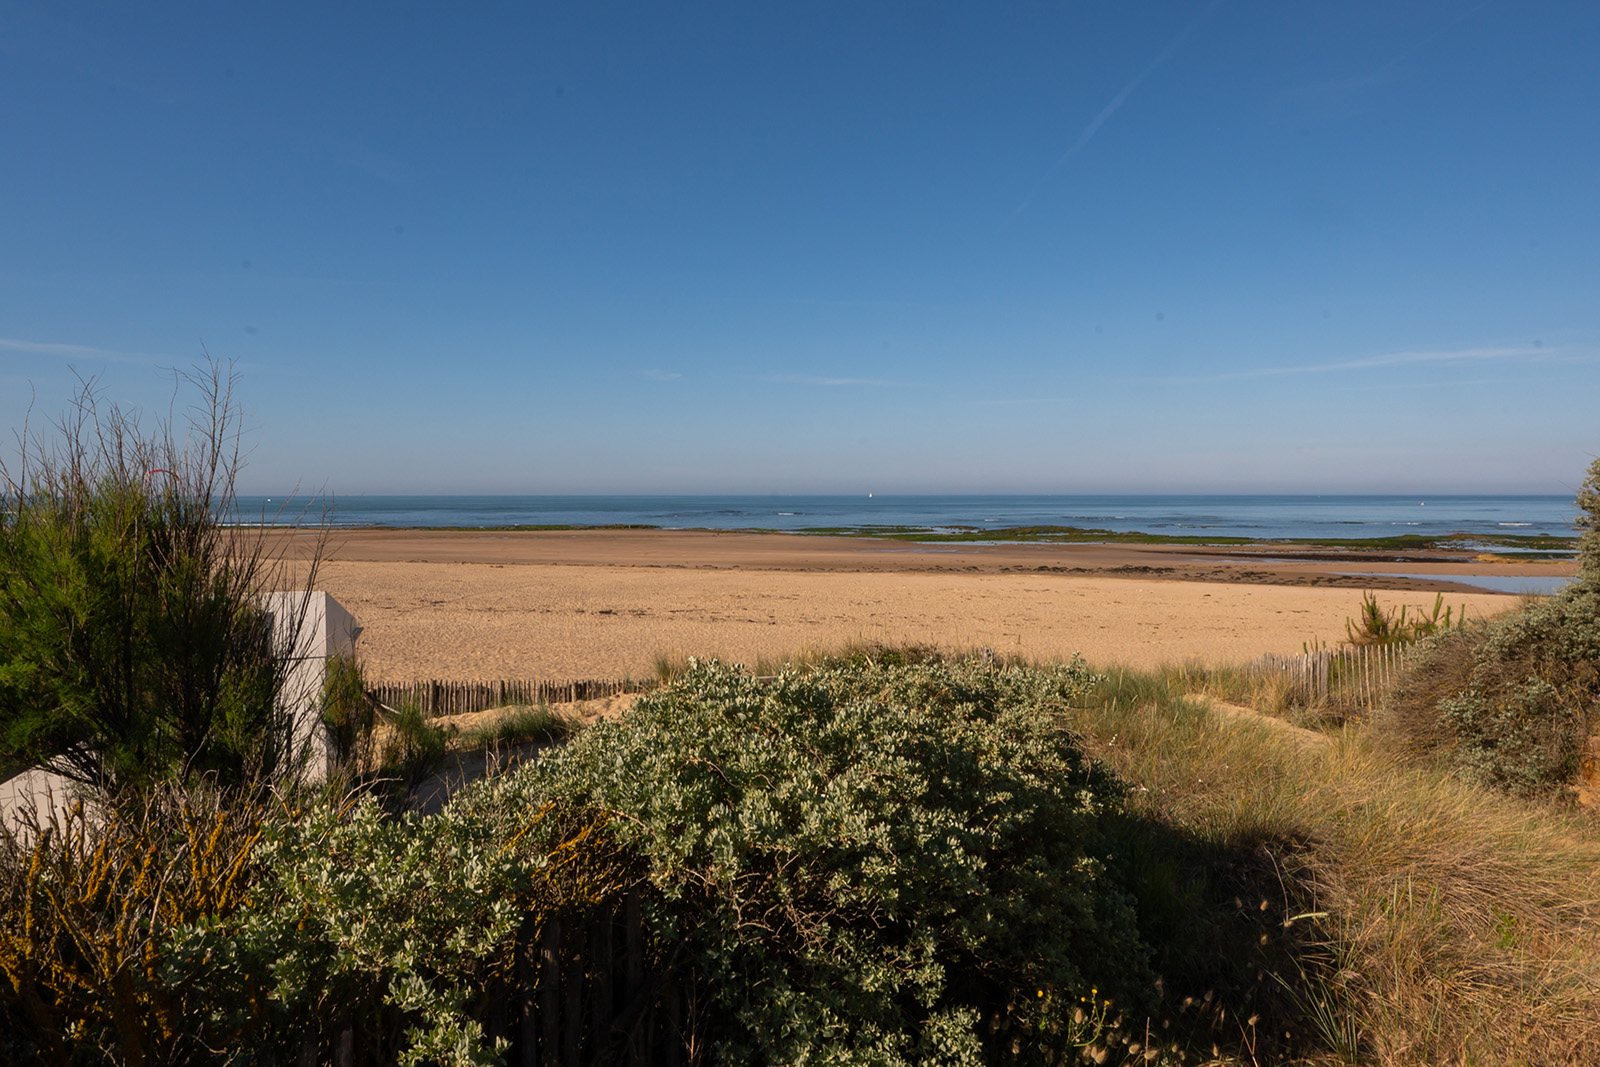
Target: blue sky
(1231, 246)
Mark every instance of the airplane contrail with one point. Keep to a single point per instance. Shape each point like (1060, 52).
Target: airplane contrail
(1117, 101)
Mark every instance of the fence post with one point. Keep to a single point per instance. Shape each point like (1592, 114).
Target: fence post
(634, 932)
(600, 969)
(550, 989)
(527, 979)
(573, 1033)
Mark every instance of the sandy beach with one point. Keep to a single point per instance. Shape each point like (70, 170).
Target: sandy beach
(561, 605)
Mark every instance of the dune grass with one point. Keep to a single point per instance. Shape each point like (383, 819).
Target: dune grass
(521, 725)
(1437, 922)
(413, 747)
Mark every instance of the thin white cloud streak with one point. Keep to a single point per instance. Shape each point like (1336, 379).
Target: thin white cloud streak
(796, 379)
(67, 351)
(1127, 90)
(1394, 359)
(1117, 101)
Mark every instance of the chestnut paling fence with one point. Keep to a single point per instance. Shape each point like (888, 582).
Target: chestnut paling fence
(587, 990)
(435, 698)
(1358, 675)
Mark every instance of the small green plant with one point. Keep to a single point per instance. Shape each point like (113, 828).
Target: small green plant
(415, 746)
(348, 711)
(1377, 626)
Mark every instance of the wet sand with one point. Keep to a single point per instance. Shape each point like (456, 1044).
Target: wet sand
(562, 605)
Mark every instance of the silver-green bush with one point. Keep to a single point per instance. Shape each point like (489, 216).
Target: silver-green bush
(1512, 703)
(875, 864)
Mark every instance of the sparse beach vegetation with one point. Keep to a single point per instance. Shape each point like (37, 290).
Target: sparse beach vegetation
(525, 725)
(413, 748)
(1376, 625)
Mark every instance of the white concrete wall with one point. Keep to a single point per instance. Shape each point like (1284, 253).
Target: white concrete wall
(35, 790)
(325, 629)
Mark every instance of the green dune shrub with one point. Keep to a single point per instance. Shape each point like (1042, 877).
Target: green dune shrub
(1512, 702)
(348, 711)
(133, 644)
(400, 927)
(1588, 502)
(874, 863)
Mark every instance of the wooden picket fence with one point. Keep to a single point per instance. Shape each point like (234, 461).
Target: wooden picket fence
(1356, 676)
(583, 993)
(437, 698)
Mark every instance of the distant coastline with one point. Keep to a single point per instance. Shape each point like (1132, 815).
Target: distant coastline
(1538, 525)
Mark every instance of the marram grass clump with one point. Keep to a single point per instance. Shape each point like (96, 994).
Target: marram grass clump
(1404, 915)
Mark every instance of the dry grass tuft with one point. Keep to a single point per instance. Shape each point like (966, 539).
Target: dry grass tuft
(1469, 922)
(1411, 720)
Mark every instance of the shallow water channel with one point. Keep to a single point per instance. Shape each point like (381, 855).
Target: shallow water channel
(1535, 584)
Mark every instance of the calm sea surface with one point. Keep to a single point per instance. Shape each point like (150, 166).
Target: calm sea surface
(1216, 516)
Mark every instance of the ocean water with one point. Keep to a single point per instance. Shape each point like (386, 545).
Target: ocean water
(1248, 516)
